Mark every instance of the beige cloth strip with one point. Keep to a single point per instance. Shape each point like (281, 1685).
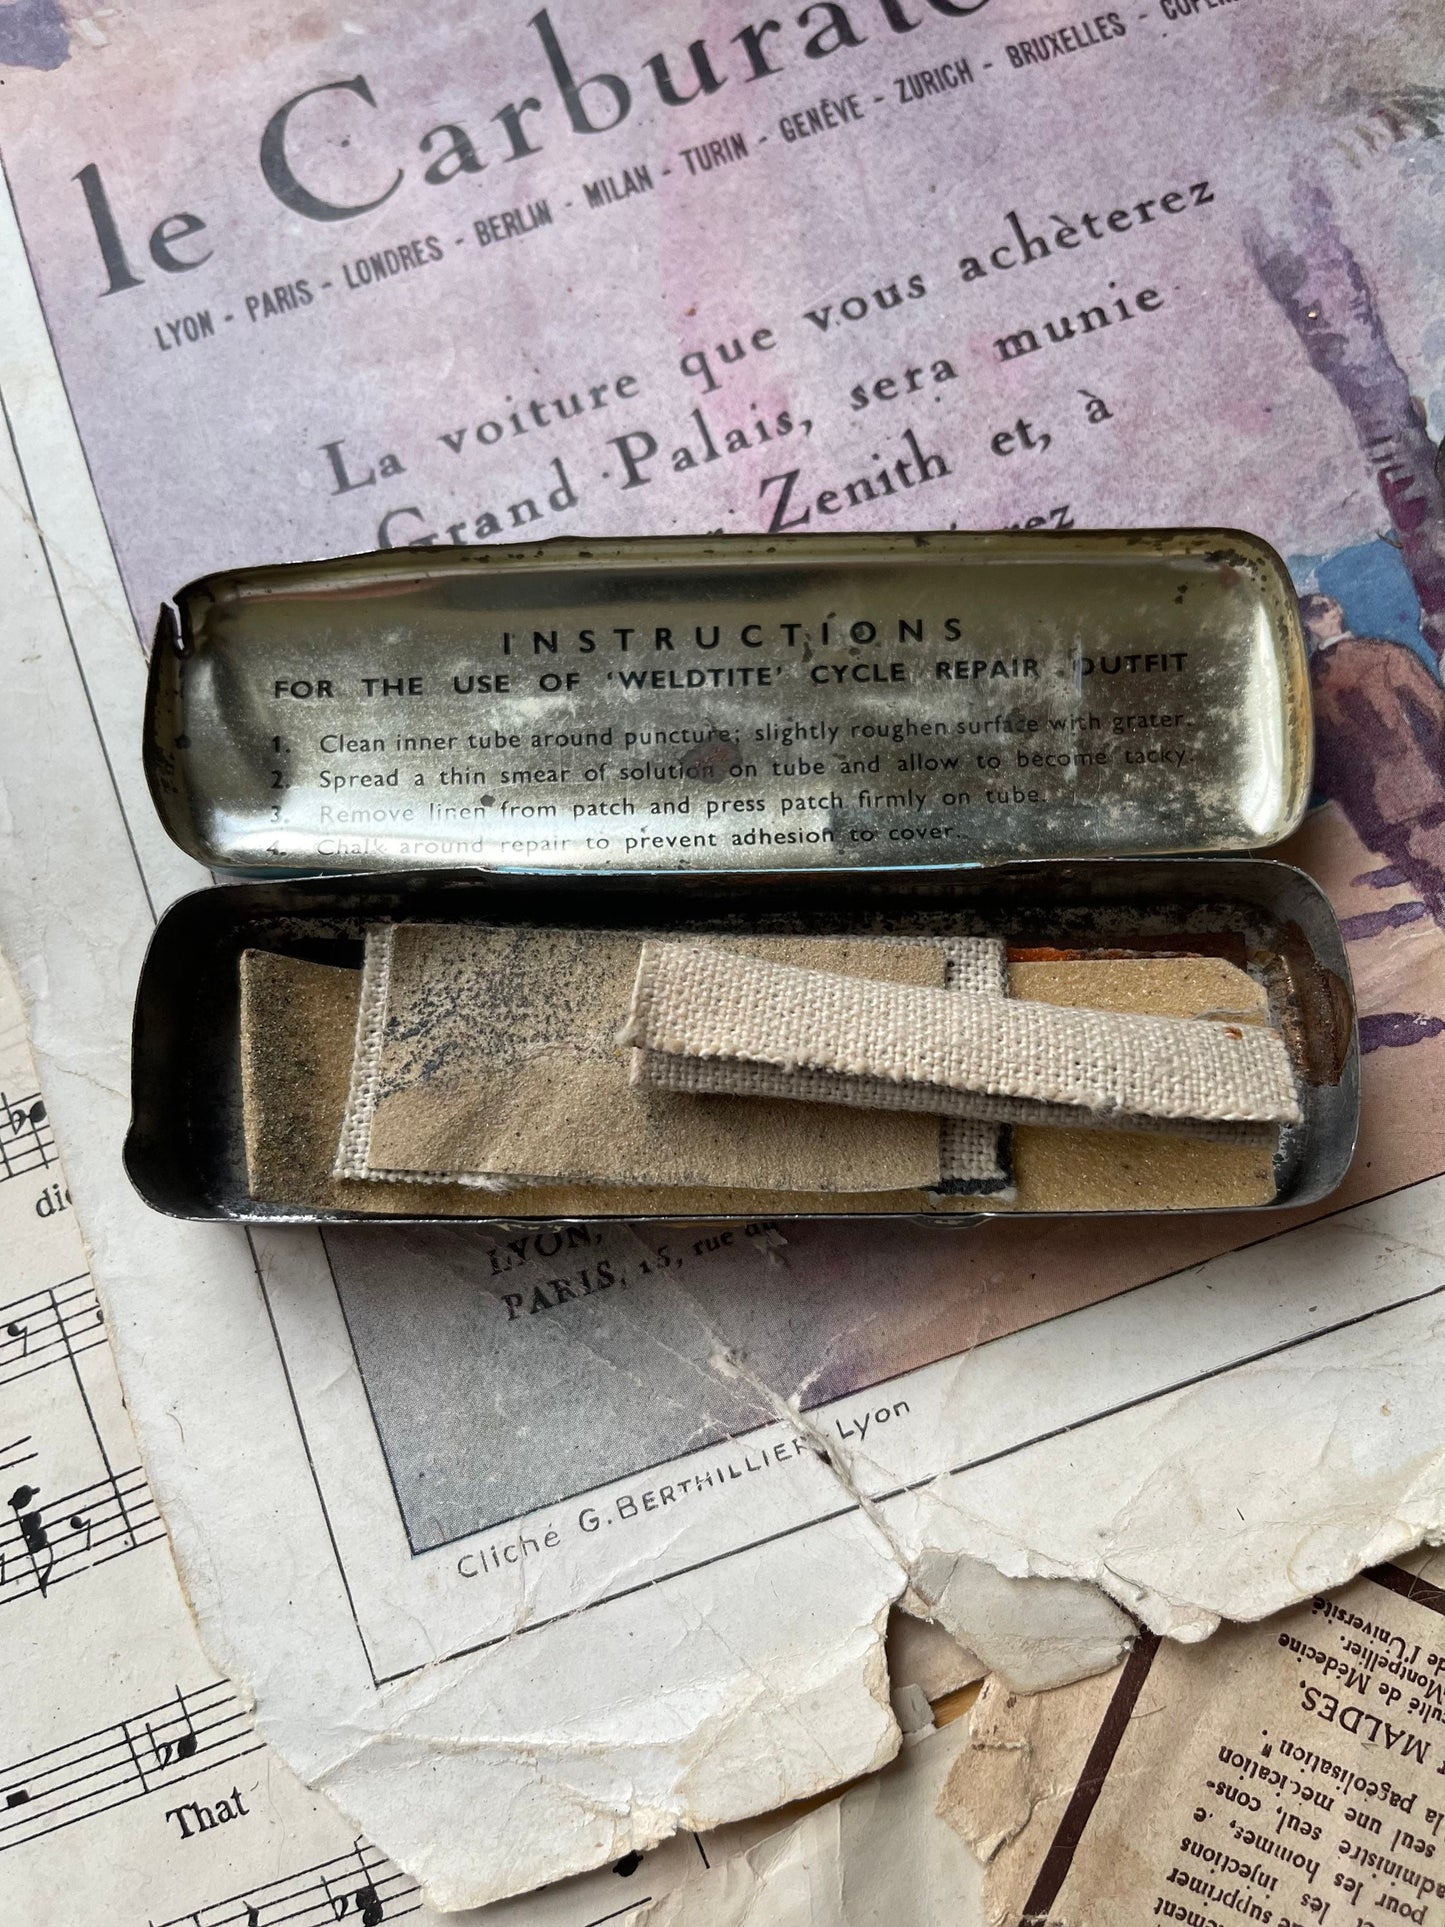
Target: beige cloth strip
(974, 1157)
(353, 1153)
(970, 1149)
(718, 1076)
(710, 1005)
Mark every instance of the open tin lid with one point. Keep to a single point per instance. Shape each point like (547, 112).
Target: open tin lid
(735, 703)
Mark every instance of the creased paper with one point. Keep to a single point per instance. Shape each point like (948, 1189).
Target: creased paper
(882, 1854)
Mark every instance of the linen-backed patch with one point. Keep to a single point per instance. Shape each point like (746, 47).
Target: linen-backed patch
(489, 1056)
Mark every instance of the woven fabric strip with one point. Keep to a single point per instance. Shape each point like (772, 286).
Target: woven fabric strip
(978, 965)
(713, 1005)
(353, 1152)
(975, 1157)
(729, 1077)
(972, 1153)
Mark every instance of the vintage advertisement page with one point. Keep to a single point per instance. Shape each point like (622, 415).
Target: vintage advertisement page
(318, 287)
(610, 1562)
(1288, 1773)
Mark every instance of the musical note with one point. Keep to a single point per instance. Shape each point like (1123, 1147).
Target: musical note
(181, 1748)
(360, 1887)
(338, 1902)
(366, 1903)
(83, 1777)
(32, 1528)
(26, 1140)
(77, 1530)
(49, 1327)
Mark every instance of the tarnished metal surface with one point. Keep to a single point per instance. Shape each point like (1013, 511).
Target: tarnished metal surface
(696, 704)
(186, 1151)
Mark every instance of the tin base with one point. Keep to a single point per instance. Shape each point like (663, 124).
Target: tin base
(185, 1151)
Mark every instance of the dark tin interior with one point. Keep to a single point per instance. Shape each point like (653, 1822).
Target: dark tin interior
(185, 1150)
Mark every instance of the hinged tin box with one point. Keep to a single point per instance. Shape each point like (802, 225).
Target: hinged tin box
(1075, 742)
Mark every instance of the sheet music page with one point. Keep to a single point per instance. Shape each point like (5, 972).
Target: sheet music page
(134, 1785)
(128, 1762)
(603, 1568)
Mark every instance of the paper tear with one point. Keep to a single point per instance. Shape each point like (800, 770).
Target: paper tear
(1034, 1633)
(924, 1654)
(734, 1730)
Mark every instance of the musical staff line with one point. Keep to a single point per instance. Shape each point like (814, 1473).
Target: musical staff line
(27, 1142)
(13, 1453)
(47, 1327)
(148, 1753)
(362, 1886)
(41, 1545)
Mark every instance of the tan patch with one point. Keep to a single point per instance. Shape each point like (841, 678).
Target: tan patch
(1154, 986)
(298, 1028)
(499, 1057)
(1086, 1171)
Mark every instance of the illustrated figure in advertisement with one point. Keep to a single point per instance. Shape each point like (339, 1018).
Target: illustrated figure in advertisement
(1380, 745)
(1379, 704)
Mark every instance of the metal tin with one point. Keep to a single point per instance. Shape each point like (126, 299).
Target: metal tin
(1015, 734)
(735, 704)
(186, 1154)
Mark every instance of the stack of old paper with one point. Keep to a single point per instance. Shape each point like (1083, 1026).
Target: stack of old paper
(595, 1532)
